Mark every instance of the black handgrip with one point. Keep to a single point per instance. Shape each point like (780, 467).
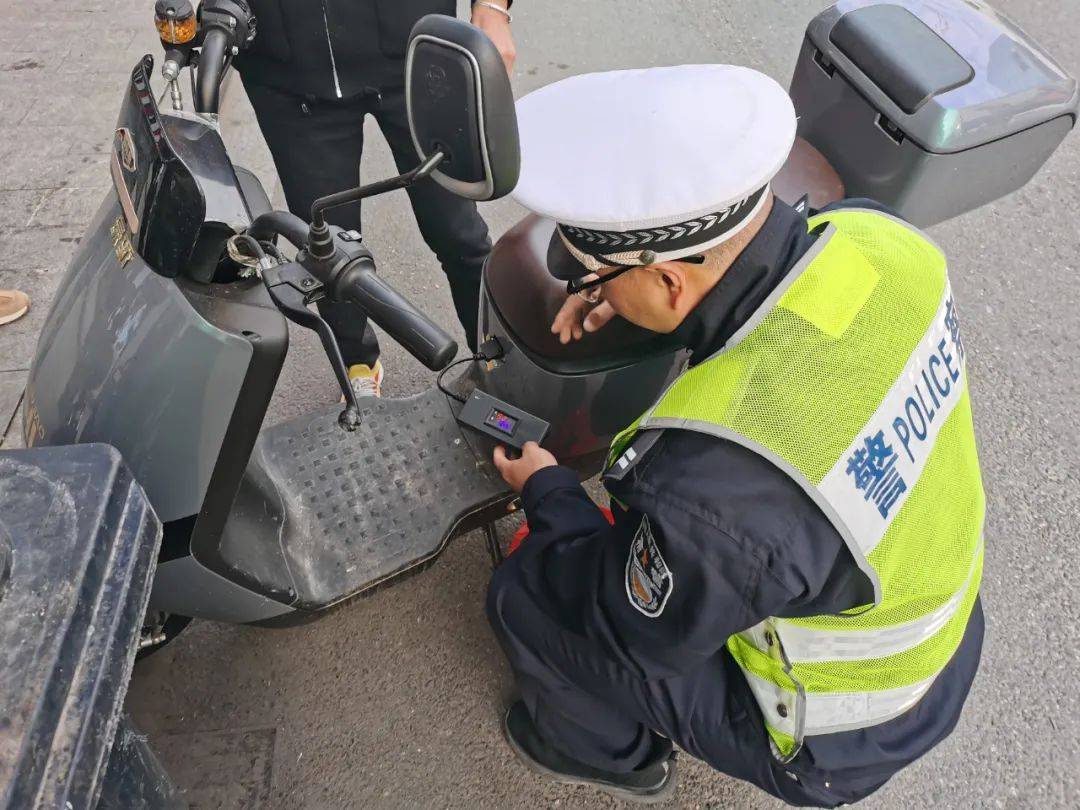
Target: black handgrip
(211, 70)
(422, 337)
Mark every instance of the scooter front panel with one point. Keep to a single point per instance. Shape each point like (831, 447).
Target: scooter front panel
(124, 358)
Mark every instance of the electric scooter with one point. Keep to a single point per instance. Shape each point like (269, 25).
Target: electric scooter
(167, 334)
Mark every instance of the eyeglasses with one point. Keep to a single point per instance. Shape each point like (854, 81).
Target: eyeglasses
(588, 286)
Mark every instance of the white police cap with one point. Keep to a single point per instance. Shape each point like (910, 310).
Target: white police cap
(644, 166)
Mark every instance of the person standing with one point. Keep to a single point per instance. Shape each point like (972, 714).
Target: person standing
(315, 71)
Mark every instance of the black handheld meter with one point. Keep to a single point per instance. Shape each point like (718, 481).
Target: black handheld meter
(502, 421)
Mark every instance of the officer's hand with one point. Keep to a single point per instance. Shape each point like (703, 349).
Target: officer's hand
(497, 28)
(516, 472)
(577, 316)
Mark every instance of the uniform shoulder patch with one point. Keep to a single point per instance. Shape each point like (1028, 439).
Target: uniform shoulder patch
(648, 580)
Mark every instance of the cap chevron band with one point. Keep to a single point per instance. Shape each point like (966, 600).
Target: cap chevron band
(682, 237)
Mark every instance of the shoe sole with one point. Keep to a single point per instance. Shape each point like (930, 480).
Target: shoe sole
(14, 316)
(661, 794)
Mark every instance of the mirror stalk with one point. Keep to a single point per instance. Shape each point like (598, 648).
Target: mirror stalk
(320, 244)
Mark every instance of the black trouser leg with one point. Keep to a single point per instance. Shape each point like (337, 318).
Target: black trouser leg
(451, 225)
(595, 710)
(572, 693)
(317, 146)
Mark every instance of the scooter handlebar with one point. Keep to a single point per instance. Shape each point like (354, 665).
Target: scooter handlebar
(211, 70)
(227, 26)
(422, 337)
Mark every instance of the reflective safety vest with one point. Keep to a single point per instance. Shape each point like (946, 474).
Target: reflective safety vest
(850, 378)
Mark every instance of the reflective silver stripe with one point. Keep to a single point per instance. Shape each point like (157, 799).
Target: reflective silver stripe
(830, 712)
(805, 645)
(868, 518)
(793, 472)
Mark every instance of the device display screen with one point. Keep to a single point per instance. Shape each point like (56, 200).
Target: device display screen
(501, 421)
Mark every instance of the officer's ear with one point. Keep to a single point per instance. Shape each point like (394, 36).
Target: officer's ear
(673, 276)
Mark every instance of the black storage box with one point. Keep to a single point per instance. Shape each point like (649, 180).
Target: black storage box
(78, 546)
(933, 107)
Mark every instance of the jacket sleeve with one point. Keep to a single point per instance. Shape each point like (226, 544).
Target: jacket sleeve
(660, 591)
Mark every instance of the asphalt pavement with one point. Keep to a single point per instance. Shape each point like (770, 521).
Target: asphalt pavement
(395, 700)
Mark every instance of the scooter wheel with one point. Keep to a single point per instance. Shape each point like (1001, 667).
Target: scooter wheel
(160, 629)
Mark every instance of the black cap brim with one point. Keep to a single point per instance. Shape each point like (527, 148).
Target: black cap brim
(561, 262)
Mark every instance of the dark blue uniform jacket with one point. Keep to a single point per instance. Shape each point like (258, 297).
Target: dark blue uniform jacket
(742, 541)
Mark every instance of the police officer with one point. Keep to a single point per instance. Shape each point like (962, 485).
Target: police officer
(316, 69)
(790, 587)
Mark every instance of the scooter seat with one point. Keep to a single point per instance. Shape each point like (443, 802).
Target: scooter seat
(527, 297)
(808, 172)
(324, 514)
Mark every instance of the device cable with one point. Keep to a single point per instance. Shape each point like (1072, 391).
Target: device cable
(490, 350)
(439, 378)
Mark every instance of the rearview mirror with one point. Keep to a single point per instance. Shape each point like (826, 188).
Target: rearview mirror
(459, 103)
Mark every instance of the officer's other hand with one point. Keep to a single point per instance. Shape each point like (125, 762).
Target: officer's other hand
(577, 316)
(497, 28)
(516, 472)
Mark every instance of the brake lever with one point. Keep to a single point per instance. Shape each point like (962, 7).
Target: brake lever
(292, 289)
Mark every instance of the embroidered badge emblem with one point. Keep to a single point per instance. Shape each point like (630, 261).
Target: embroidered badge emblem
(648, 580)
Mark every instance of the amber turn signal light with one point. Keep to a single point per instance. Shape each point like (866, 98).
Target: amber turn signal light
(175, 22)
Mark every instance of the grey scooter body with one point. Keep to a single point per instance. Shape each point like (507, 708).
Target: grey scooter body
(175, 369)
(177, 374)
(157, 367)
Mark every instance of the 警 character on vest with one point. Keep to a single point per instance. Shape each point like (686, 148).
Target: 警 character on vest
(790, 588)
(315, 70)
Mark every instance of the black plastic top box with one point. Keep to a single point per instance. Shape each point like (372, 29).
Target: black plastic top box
(931, 106)
(978, 76)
